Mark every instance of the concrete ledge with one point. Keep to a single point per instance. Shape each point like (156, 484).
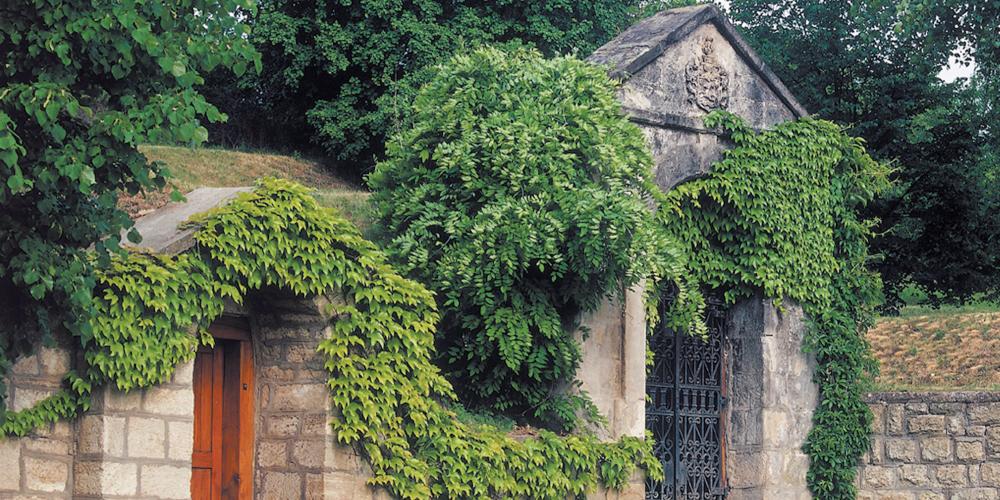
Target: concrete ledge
(933, 397)
(162, 230)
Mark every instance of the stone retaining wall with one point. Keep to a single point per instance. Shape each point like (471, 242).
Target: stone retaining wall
(933, 446)
(39, 465)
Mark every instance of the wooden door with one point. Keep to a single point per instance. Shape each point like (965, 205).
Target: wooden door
(223, 415)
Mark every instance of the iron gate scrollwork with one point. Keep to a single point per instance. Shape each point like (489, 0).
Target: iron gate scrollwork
(685, 411)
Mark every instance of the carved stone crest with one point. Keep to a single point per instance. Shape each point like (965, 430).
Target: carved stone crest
(707, 80)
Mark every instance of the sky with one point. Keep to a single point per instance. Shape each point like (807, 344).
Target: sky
(956, 70)
(950, 73)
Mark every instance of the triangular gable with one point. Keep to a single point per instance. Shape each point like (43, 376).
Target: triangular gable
(682, 35)
(676, 67)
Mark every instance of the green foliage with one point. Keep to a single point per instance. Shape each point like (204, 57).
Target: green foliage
(342, 74)
(779, 213)
(386, 389)
(518, 197)
(874, 67)
(81, 84)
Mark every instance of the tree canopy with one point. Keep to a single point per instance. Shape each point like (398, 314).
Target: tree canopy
(874, 67)
(341, 75)
(81, 84)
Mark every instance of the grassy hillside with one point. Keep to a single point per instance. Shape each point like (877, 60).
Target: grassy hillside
(209, 167)
(939, 349)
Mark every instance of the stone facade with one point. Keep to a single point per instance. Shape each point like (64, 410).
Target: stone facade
(675, 67)
(39, 465)
(296, 454)
(137, 444)
(933, 446)
(772, 397)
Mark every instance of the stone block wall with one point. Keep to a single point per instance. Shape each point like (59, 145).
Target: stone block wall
(771, 401)
(933, 446)
(39, 465)
(296, 453)
(137, 444)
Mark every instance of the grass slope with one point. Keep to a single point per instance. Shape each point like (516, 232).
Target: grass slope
(211, 167)
(939, 349)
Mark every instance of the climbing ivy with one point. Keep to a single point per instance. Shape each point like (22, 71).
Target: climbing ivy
(779, 214)
(390, 398)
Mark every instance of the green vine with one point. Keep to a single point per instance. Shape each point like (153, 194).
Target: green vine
(779, 213)
(390, 398)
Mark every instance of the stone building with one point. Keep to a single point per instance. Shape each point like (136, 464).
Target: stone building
(261, 391)
(730, 415)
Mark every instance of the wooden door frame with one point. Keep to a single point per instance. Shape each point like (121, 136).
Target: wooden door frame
(238, 329)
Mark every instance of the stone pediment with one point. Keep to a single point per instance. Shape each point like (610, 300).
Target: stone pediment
(679, 64)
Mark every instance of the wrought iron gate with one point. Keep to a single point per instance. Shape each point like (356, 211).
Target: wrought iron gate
(685, 411)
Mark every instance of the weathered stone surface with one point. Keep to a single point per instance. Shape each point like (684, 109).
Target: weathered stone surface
(894, 419)
(282, 425)
(105, 478)
(309, 453)
(927, 424)
(180, 440)
(901, 450)
(102, 434)
(47, 446)
(122, 401)
(952, 475)
(272, 453)
(878, 477)
(989, 474)
(993, 440)
(915, 475)
(10, 464)
(169, 401)
(166, 481)
(936, 449)
(878, 419)
(26, 397)
(287, 486)
(146, 437)
(969, 451)
(939, 450)
(316, 425)
(184, 373)
(298, 397)
(45, 474)
(975, 494)
(956, 425)
(985, 414)
(895, 495)
(54, 360)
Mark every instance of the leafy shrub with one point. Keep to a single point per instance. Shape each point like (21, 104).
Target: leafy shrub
(518, 196)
